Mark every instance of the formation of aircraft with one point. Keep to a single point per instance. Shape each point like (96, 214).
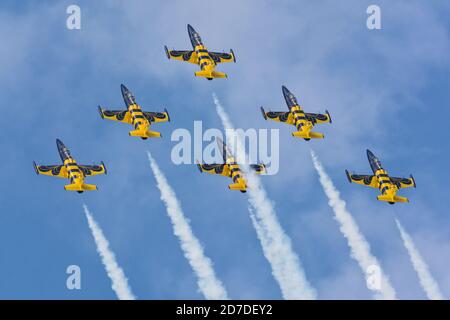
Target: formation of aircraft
(207, 60)
(380, 179)
(230, 168)
(140, 120)
(71, 170)
(303, 121)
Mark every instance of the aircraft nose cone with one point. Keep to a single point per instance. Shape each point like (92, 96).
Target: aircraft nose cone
(128, 97)
(194, 36)
(63, 151)
(286, 93)
(289, 97)
(59, 143)
(190, 29)
(370, 155)
(124, 89)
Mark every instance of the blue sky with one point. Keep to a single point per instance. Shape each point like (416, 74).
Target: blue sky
(386, 90)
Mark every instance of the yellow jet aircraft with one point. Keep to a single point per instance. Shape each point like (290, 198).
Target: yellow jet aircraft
(71, 170)
(201, 56)
(303, 121)
(230, 168)
(141, 120)
(388, 186)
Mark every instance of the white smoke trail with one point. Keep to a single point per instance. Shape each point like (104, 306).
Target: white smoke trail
(427, 282)
(286, 266)
(209, 285)
(115, 273)
(360, 248)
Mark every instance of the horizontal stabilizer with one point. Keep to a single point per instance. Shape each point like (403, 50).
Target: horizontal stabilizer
(309, 135)
(145, 134)
(89, 187)
(80, 188)
(237, 186)
(210, 74)
(316, 135)
(393, 199)
(153, 134)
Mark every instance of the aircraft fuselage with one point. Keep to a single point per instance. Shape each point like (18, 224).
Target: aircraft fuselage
(74, 173)
(387, 188)
(139, 121)
(239, 182)
(204, 60)
(301, 122)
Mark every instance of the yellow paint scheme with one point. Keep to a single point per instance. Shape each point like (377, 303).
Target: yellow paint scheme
(184, 55)
(365, 180)
(387, 188)
(205, 59)
(232, 170)
(279, 116)
(141, 120)
(222, 57)
(53, 171)
(117, 115)
(403, 183)
(74, 172)
(76, 176)
(387, 185)
(304, 122)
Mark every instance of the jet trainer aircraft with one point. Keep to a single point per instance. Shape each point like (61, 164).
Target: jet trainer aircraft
(229, 168)
(141, 120)
(201, 56)
(303, 121)
(388, 186)
(71, 170)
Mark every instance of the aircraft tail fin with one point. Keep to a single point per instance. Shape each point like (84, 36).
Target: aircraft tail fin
(393, 199)
(210, 74)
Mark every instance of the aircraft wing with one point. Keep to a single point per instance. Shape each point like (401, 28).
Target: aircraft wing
(404, 182)
(318, 117)
(363, 179)
(92, 170)
(221, 169)
(59, 171)
(157, 116)
(279, 116)
(116, 115)
(258, 168)
(221, 57)
(182, 55)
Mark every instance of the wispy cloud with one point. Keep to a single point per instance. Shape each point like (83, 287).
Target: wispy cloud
(115, 273)
(209, 285)
(277, 248)
(360, 248)
(427, 281)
